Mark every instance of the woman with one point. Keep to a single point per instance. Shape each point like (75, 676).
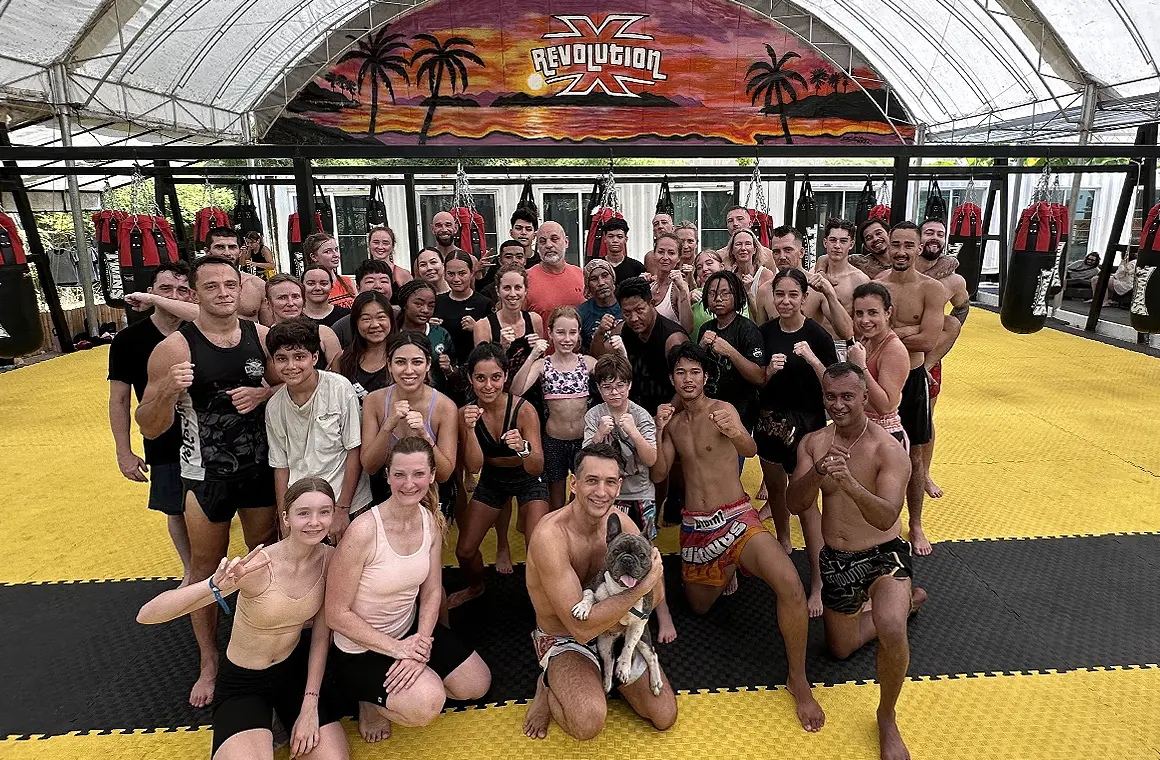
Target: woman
(500, 439)
(670, 292)
(381, 245)
(408, 407)
(273, 665)
(365, 363)
(428, 266)
(322, 250)
(318, 281)
(880, 352)
(799, 350)
(384, 590)
(285, 298)
(742, 259)
(565, 375)
(707, 262)
(416, 307)
(461, 307)
(736, 344)
(514, 329)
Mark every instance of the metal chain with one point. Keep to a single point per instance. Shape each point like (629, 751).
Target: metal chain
(462, 197)
(756, 191)
(610, 198)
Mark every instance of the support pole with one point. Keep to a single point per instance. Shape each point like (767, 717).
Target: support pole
(304, 187)
(412, 216)
(988, 215)
(789, 202)
(165, 190)
(1004, 228)
(900, 191)
(1086, 121)
(1127, 192)
(1152, 132)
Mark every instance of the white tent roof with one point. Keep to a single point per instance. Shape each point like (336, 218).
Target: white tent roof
(225, 68)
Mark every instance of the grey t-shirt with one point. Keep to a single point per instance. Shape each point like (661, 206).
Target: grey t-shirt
(637, 485)
(342, 330)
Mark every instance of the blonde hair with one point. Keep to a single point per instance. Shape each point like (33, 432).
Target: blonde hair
(728, 261)
(563, 312)
(413, 444)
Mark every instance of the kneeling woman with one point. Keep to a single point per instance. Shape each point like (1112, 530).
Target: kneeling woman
(384, 589)
(273, 665)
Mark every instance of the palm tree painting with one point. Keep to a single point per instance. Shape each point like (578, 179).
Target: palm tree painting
(775, 80)
(379, 61)
(437, 59)
(819, 78)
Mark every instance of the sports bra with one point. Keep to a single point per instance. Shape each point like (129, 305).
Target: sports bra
(426, 422)
(570, 384)
(665, 305)
(491, 448)
(518, 350)
(273, 614)
(890, 421)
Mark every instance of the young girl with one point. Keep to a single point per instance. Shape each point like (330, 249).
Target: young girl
(416, 307)
(383, 595)
(318, 281)
(565, 375)
(273, 664)
(461, 308)
(365, 362)
(428, 266)
(322, 250)
(381, 245)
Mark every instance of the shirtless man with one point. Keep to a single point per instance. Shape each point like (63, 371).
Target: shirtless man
(917, 319)
(821, 303)
(942, 267)
(737, 218)
(838, 240)
(720, 530)
(862, 473)
(875, 256)
(569, 550)
(224, 242)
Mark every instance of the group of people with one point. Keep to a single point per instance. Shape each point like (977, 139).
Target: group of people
(347, 424)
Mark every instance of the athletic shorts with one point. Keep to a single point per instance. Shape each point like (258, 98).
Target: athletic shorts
(166, 494)
(779, 432)
(246, 699)
(548, 646)
(914, 409)
(643, 514)
(848, 576)
(712, 542)
(221, 499)
(558, 457)
(935, 380)
(498, 485)
(841, 346)
(360, 676)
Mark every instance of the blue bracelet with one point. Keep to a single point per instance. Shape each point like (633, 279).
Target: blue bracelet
(217, 594)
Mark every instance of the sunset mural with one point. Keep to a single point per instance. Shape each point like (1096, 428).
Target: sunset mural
(708, 71)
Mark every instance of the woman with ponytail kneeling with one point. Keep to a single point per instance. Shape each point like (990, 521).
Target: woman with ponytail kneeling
(385, 586)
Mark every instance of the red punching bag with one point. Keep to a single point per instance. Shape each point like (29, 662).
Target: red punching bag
(294, 240)
(1031, 270)
(595, 246)
(1063, 230)
(143, 243)
(881, 211)
(207, 219)
(964, 238)
(107, 224)
(20, 328)
(472, 233)
(1145, 309)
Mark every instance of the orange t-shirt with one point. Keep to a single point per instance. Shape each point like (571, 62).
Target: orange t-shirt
(546, 291)
(342, 293)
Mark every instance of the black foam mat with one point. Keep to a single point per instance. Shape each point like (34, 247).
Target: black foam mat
(76, 660)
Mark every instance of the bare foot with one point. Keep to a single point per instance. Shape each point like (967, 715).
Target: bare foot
(932, 489)
(890, 740)
(919, 541)
(464, 596)
(202, 692)
(764, 513)
(731, 587)
(666, 631)
(373, 726)
(503, 560)
(539, 714)
(763, 492)
(918, 598)
(809, 712)
(814, 603)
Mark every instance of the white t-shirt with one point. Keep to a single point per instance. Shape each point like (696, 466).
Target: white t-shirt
(637, 485)
(313, 440)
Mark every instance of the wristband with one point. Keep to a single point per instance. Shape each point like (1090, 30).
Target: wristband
(217, 595)
(526, 451)
(310, 694)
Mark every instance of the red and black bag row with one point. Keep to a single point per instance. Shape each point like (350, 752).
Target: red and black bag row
(207, 219)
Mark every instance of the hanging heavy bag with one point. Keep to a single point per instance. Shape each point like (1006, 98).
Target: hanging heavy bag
(1063, 230)
(964, 241)
(1030, 270)
(323, 211)
(936, 205)
(106, 224)
(806, 223)
(472, 233)
(294, 238)
(665, 203)
(20, 329)
(205, 220)
(143, 243)
(376, 208)
(881, 211)
(245, 214)
(595, 247)
(867, 199)
(1145, 309)
(528, 200)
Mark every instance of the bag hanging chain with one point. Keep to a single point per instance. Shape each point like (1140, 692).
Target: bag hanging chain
(611, 196)
(135, 183)
(462, 197)
(882, 196)
(1042, 193)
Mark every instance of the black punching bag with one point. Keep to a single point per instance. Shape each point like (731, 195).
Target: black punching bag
(964, 240)
(806, 222)
(20, 329)
(936, 205)
(1030, 271)
(376, 209)
(1145, 309)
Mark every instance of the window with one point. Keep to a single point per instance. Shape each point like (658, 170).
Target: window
(350, 226)
(432, 204)
(706, 209)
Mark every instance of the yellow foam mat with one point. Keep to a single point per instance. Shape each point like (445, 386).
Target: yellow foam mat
(1107, 714)
(1039, 435)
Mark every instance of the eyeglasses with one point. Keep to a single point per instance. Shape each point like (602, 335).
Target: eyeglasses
(619, 387)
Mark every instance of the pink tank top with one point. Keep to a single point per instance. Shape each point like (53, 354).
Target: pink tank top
(389, 586)
(890, 421)
(665, 305)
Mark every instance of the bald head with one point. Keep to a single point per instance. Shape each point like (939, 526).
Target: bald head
(443, 227)
(552, 244)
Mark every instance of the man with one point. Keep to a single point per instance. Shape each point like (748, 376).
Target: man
(862, 472)
(371, 274)
(917, 318)
(821, 302)
(313, 422)
(688, 249)
(737, 218)
(210, 371)
(445, 230)
(720, 530)
(129, 373)
(616, 251)
(838, 241)
(600, 287)
(875, 256)
(569, 549)
(510, 252)
(553, 282)
(524, 226)
(933, 263)
(222, 241)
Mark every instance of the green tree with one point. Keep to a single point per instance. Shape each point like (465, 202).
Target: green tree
(775, 80)
(379, 60)
(437, 59)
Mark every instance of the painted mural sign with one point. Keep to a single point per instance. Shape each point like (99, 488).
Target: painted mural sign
(647, 71)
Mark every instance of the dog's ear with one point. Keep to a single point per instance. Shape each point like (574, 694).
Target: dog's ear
(613, 527)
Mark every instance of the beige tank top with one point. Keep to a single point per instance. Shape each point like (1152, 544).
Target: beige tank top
(267, 625)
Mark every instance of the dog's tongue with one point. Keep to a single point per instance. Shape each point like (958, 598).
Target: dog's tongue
(628, 581)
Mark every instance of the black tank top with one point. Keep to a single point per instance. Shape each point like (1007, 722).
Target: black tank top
(366, 383)
(651, 383)
(518, 350)
(216, 441)
(491, 448)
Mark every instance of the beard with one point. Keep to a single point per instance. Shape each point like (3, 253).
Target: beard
(444, 239)
(932, 250)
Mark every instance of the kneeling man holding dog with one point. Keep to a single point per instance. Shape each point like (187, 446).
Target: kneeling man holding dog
(570, 549)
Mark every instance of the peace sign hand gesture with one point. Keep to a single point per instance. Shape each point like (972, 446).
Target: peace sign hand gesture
(230, 572)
